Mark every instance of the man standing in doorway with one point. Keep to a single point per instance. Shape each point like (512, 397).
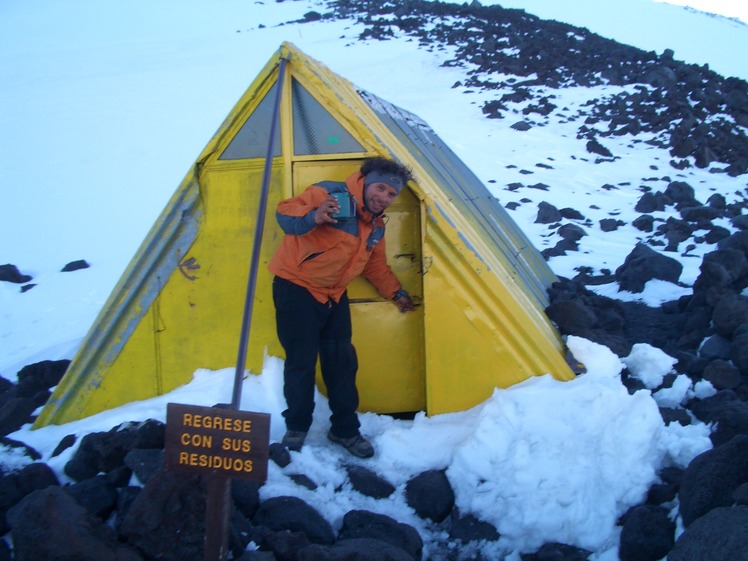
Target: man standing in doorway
(328, 243)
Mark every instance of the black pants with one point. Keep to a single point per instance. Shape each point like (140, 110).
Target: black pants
(307, 330)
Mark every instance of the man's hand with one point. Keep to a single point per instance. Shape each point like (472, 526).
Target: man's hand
(325, 211)
(403, 301)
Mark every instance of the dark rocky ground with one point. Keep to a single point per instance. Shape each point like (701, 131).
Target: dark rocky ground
(696, 114)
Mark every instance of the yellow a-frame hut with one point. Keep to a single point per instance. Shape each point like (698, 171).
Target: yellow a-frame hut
(480, 283)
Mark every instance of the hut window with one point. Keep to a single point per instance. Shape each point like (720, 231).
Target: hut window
(252, 139)
(315, 131)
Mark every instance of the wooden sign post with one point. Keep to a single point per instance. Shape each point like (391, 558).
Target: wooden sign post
(221, 444)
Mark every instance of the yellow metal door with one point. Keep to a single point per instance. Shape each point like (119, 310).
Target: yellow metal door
(390, 346)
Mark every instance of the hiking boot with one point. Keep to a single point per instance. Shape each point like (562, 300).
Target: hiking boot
(294, 439)
(356, 445)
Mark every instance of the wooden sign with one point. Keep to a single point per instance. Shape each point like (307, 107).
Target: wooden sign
(209, 440)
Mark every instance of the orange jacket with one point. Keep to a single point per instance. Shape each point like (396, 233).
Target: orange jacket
(325, 258)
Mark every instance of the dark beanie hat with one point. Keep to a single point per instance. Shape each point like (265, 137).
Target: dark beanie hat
(388, 178)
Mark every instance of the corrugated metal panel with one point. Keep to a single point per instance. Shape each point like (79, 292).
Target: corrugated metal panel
(468, 194)
(159, 256)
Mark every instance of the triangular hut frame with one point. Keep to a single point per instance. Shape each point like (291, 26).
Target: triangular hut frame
(480, 283)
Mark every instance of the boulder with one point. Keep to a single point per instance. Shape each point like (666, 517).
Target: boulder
(10, 273)
(644, 223)
(358, 524)
(558, 552)
(430, 495)
(17, 485)
(680, 192)
(610, 224)
(652, 202)
(144, 463)
(246, 496)
(50, 524)
(36, 379)
(76, 265)
(469, 528)
(547, 213)
(105, 451)
(572, 316)
(731, 420)
(730, 312)
(667, 489)
(711, 479)
(721, 268)
(285, 544)
(359, 549)
(293, 514)
(723, 375)
(675, 231)
(97, 495)
(719, 535)
(571, 232)
(715, 347)
(647, 534)
(166, 520)
(369, 483)
(594, 147)
(644, 264)
(739, 349)
(16, 412)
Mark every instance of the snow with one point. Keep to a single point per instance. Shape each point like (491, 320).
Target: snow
(649, 364)
(106, 105)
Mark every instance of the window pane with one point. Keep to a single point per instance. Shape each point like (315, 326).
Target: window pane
(252, 139)
(315, 131)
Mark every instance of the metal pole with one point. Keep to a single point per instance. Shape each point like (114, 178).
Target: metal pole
(217, 517)
(219, 487)
(262, 211)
